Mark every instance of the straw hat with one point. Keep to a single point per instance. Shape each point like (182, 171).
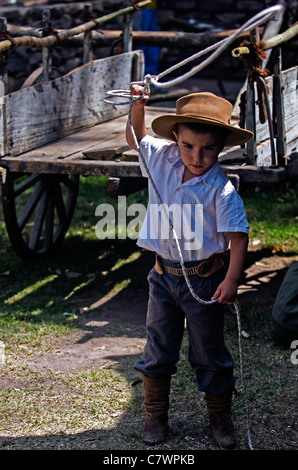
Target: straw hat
(205, 108)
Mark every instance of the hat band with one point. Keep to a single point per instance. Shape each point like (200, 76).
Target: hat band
(204, 118)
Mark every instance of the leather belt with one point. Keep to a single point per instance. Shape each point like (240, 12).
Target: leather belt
(178, 271)
(203, 269)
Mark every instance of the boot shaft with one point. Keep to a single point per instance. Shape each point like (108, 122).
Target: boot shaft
(219, 408)
(156, 404)
(219, 403)
(156, 394)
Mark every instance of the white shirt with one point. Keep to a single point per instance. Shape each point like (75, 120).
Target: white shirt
(202, 209)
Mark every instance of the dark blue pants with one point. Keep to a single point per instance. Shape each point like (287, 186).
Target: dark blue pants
(170, 303)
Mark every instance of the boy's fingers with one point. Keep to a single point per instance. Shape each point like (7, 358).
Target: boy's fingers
(137, 90)
(216, 294)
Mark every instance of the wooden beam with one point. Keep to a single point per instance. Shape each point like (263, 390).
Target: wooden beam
(255, 174)
(125, 186)
(282, 37)
(76, 167)
(170, 39)
(63, 34)
(288, 137)
(247, 174)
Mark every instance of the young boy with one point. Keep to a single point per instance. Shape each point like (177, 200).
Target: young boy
(186, 173)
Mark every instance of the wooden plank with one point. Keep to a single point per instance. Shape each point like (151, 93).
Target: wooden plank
(102, 136)
(256, 175)
(290, 87)
(264, 154)
(108, 152)
(131, 155)
(45, 112)
(250, 121)
(116, 145)
(125, 186)
(235, 153)
(247, 173)
(74, 167)
(2, 126)
(292, 168)
(278, 108)
(289, 84)
(79, 141)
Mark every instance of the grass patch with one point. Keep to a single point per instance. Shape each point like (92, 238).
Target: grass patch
(273, 219)
(79, 401)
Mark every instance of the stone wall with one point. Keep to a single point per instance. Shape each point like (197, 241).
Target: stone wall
(173, 15)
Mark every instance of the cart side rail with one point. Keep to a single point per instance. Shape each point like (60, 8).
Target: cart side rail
(288, 86)
(44, 112)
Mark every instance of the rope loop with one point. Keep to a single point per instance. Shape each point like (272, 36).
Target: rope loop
(129, 98)
(218, 48)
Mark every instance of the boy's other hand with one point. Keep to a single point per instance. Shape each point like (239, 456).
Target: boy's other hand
(226, 292)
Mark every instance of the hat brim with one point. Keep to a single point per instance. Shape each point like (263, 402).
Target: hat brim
(163, 127)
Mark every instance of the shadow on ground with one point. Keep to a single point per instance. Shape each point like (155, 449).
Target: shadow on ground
(112, 334)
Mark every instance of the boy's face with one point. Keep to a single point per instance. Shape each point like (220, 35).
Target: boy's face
(199, 151)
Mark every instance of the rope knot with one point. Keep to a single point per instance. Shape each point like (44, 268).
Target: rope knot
(6, 37)
(49, 31)
(89, 15)
(254, 59)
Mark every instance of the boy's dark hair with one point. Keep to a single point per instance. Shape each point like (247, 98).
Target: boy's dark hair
(198, 128)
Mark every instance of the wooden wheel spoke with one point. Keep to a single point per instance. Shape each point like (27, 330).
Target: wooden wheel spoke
(60, 205)
(26, 184)
(37, 210)
(68, 182)
(31, 205)
(49, 224)
(39, 220)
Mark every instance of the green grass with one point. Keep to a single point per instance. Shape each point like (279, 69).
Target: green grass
(98, 409)
(273, 219)
(41, 292)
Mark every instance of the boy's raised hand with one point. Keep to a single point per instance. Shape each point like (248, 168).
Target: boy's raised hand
(138, 90)
(137, 117)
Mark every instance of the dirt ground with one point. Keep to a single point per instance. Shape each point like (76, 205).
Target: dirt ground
(115, 333)
(116, 328)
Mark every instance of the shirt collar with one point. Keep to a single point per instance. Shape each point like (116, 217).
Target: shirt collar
(172, 154)
(210, 176)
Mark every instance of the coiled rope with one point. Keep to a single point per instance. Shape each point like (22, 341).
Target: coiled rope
(218, 48)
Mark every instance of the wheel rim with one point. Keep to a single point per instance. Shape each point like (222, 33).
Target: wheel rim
(38, 209)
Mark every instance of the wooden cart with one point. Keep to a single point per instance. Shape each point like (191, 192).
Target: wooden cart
(53, 132)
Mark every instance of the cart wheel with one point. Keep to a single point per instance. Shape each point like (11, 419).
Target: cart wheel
(38, 209)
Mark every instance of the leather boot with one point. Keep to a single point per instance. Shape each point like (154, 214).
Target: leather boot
(219, 408)
(156, 403)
